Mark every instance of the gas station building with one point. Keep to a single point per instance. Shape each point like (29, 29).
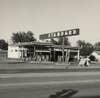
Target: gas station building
(40, 51)
(46, 51)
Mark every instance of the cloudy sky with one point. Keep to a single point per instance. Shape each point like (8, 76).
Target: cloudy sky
(45, 16)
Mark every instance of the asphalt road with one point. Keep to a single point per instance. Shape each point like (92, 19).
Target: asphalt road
(6, 68)
(41, 85)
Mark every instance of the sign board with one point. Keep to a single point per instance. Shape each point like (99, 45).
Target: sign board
(71, 32)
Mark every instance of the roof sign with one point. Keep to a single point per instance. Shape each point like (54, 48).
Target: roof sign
(71, 32)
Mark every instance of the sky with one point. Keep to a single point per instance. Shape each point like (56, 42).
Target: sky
(46, 16)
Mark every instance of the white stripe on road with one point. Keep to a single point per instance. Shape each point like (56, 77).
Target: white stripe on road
(48, 83)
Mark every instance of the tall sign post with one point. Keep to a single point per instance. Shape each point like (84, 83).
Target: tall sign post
(71, 32)
(63, 48)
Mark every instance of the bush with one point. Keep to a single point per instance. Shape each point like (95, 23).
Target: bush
(92, 58)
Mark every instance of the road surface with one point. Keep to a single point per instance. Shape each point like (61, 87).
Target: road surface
(41, 85)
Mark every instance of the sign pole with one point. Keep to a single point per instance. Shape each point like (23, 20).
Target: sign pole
(63, 48)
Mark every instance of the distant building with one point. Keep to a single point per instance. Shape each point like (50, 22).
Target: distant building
(42, 51)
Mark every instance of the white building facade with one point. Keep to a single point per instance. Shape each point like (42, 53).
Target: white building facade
(15, 52)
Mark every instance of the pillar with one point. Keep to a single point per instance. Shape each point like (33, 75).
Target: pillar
(66, 59)
(63, 49)
(78, 54)
(22, 53)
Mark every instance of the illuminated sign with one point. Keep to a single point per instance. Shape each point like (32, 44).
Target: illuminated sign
(71, 32)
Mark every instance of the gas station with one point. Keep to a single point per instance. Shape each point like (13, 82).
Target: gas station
(46, 51)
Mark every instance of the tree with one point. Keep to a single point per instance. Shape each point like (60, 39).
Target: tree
(3, 44)
(97, 46)
(86, 47)
(23, 37)
(60, 41)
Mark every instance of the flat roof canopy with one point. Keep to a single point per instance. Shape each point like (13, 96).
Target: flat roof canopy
(46, 44)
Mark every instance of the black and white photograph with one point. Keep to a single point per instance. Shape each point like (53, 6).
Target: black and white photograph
(49, 48)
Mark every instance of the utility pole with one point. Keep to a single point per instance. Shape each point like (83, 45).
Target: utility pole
(63, 46)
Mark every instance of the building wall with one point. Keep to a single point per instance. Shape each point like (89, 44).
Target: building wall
(14, 52)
